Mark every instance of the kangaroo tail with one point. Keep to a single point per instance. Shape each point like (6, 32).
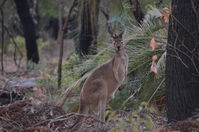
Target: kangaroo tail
(78, 123)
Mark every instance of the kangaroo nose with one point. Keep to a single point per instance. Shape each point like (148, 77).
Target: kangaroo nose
(118, 47)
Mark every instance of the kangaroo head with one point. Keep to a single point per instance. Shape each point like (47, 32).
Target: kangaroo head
(118, 41)
(117, 38)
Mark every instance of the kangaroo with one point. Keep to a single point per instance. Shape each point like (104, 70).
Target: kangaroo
(101, 85)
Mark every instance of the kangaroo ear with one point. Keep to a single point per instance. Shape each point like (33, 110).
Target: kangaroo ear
(114, 36)
(121, 34)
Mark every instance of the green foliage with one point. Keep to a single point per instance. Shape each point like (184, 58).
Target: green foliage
(72, 73)
(42, 44)
(20, 43)
(149, 4)
(48, 8)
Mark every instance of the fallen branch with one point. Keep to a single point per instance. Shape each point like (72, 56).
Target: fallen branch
(12, 123)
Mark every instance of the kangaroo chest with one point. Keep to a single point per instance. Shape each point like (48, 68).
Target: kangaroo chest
(123, 66)
(120, 67)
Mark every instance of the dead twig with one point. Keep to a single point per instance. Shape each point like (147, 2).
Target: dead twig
(63, 29)
(60, 118)
(11, 123)
(2, 36)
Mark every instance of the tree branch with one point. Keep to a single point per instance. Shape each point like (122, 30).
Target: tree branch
(60, 40)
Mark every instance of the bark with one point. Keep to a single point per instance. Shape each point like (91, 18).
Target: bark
(29, 30)
(137, 11)
(89, 25)
(182, 61)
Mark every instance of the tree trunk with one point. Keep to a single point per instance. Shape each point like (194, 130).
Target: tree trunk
(29, 30)
(137, 11)
(182, 62)
(89, 25)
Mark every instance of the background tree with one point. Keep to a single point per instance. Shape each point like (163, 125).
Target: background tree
(182, 62)
(89, 25)
(137, 11)
(29, 30)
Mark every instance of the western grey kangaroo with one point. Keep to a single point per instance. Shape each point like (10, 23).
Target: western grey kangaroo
(101, 85)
